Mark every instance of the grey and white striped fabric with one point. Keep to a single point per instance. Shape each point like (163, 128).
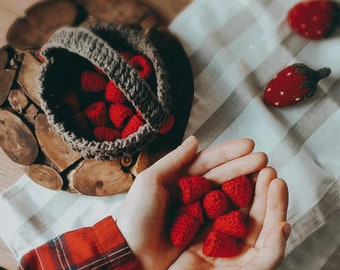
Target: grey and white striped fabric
(235, 48)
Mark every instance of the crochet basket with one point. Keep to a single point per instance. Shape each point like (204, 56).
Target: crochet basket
(71, 50)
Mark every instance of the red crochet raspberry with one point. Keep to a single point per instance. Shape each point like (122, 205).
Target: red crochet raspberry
(167, 126)
(194, 209)
(183, 230)
(104, 133)
(79, 119)
(142, 65)
(215, 203)
(192, 188)
(239, 190)
(97, 113)
(221, 245)
(232, 224)
(119, 115)
(92, 81)
(113, 93)
(132, 126)
(71, 100)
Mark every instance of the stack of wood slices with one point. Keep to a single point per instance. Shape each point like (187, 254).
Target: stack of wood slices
(26, 135)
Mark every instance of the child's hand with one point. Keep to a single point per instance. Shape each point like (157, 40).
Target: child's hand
(143, 215)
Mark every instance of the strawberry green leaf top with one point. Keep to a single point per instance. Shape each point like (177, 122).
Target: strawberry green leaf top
(293, 84)
(314, 19)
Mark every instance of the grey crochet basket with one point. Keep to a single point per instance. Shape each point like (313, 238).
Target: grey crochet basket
(66, 54)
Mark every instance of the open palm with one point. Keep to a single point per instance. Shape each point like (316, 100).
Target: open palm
(144, 214)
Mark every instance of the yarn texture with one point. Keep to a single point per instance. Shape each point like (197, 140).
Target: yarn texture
(99, 45)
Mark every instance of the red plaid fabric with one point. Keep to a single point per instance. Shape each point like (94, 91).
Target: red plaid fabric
(99, 247)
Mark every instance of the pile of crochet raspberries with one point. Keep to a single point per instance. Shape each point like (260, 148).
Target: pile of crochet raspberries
(202, 201)
(109, 115)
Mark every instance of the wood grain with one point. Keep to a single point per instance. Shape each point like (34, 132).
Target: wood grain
(10, 10)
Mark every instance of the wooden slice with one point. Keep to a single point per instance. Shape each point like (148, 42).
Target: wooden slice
(6, 81)
(141, 164)
(116, 11)
(101, 178)
(41, 21)
(18, 100)
(53, 146)
(28, 77)
(3, 58)
(16, 139)
(45, 176)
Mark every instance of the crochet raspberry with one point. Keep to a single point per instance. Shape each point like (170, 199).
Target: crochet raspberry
(184, 229)
(92, 81)
(79, 119)
(132, 125)
(313, 19)
(97, 113)
(119, 115)
(231, 224)
(238, 190)
(166, 127)
(293, 84)
(142, 65)
(103, 133)
(192, 188)
(71, 100)
(194, 209)
(221, 245)
(215, 203)
(113, 93)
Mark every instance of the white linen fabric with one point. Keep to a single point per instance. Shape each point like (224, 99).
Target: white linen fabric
(235, 48)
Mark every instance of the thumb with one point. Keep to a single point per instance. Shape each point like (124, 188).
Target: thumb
(169, 166)
(273, 251)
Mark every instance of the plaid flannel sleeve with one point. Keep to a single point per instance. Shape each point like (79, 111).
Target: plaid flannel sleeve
(101, 246)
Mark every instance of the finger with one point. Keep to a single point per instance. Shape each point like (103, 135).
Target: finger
(167, 168)
(273, 251)
(219, 154)
(258, 207)
(276, 209)
(241, 166)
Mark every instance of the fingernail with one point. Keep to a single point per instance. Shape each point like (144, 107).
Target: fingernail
(188, 140)
(287, 230)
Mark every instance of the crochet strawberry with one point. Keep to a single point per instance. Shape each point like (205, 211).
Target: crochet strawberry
(313, 19)
(113, 93)
(119, 115)
(192, 188)
(104, 133)
(219, 244)
(238, 190)
(184, 229)
(215, 203)
(97, 113)
(92, 81)
(231, 223)
(293, 84)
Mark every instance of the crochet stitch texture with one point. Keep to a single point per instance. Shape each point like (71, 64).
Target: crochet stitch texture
(95, 45)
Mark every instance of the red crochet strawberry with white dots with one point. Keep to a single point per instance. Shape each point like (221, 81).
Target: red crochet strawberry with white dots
(293, 84)
(314, 19)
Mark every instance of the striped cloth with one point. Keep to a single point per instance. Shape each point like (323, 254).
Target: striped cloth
(235, 48)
